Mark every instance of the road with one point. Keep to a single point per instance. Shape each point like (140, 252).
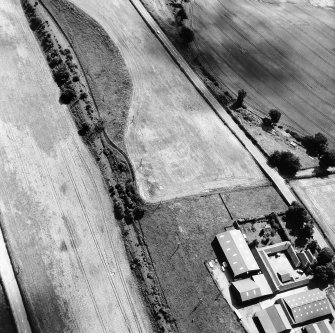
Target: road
(275, 178)
(12, 289)
(57, 214)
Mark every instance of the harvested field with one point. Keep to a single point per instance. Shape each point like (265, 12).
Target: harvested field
(179, 236)
(281, 53)
(318, 195)
(57, 215)
(177, 145)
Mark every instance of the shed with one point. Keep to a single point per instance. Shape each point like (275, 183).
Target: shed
(232, 247)
(310, 257)
(246, 290)
(319, 327)
(303, 259)
(284, 276)
(272, 320)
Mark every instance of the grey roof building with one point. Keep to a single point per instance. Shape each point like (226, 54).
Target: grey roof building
(272, 320)
(232, 247)
(319, 327)
(306, 306)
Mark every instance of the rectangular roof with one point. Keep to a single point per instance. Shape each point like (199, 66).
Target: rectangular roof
(263, 284)
(308, 305)
(247, 289)
(319, 327)
(303, 258)
(310, 256)
(273, 319)
(237, 252)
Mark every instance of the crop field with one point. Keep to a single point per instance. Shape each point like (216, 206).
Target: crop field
(66, 246)
(318, 195)
(177, 145)
(281, 52)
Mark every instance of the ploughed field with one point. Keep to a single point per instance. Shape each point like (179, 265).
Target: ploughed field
(282, 54)
(318, 195)
(57, 215)
(177, 145)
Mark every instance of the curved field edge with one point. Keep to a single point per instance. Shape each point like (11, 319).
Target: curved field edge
(118, 175)
(105, 69)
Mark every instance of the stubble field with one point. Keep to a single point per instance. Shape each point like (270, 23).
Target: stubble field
(318, 195)
(57, 215)
(177, 144)
(281, 53)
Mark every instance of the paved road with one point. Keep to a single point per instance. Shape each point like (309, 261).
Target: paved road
(276, 179)
(12, 289)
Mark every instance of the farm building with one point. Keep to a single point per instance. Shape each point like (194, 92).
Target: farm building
(232, 247)
(251, 288)
(303, 259)
(306, 306)
(319, 327)
(310, 257)
(280, 265)
(246, 290)
(272, 320)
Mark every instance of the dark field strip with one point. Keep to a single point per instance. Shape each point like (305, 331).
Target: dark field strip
(281, 55)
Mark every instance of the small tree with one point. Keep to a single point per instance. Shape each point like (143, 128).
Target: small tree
(61, 74)
(325, 256)
(240, 99)
(313, 246)
(118, 210)
(68, 94)
(274, 116)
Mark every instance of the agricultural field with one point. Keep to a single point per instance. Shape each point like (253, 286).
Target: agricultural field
(177, 145)
(58, 219)
(281, 53)
(318, 195)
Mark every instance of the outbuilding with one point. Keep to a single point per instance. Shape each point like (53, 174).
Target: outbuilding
(231, 246)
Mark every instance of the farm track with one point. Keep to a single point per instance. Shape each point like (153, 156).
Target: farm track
(306, 88)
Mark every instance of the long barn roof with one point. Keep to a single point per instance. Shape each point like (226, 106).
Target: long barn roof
(237, 252)
(308, 305)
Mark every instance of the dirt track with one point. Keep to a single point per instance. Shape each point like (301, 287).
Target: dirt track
(58, 218)
(177, 144)
(281, 53)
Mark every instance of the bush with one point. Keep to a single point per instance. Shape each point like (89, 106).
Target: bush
(315, 145)
(287, 163)
(118, 210)
(313, 246)
(85, 128)
(61, 75)
(327, 159)
(67, 95)
(75, 78)
(55, 61)
(83, 95)
(267, 122)
(240, 99)
(275, 116)
(325, 256)
(254, 243)
(187, 35)
(35, 23)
